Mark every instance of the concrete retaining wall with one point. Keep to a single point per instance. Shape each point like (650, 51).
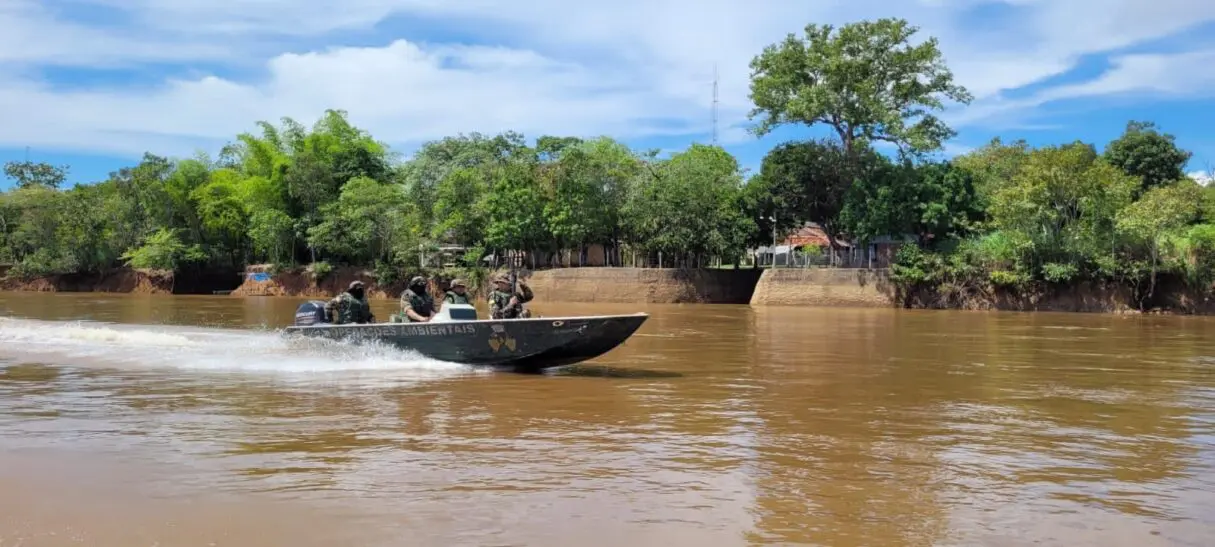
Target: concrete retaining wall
(824, 287)
(644, 285)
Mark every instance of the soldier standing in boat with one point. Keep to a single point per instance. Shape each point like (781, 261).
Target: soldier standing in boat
(505, 304)
(456, 294)
(417, 306)
(350, 306)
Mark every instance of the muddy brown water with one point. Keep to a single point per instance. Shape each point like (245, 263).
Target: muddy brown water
(186, 421)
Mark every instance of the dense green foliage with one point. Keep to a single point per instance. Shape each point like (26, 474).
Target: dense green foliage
(1063, 214)
(865, 81)
(333, 194)
(1006, 216)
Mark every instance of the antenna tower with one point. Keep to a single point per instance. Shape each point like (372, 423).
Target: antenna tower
(714, 104)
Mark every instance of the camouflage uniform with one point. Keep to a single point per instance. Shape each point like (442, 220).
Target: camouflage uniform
(499, 301)
(452, 298)
(346, 308)
(421, 304)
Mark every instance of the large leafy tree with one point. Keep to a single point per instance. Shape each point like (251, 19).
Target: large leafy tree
(29, 173)
(864, 80)
(1147, 154)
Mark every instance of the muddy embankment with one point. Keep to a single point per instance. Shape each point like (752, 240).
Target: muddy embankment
(125, 280)
(615, 285)
(1085, 297)
(812, 287)
(824, 287)
(259, 281)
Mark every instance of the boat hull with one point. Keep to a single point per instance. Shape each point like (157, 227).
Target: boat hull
(532, 344)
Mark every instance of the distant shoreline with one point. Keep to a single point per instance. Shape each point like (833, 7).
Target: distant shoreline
(806, 287)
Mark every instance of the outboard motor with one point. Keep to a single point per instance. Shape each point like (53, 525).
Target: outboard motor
(311, 312)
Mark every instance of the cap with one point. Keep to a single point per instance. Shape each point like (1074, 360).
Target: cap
(356, 284)
(417, 280)
(458, 283)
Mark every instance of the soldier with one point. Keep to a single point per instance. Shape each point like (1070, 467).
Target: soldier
(504, 305)
(457, 294)
(417, 306)
(350, 306)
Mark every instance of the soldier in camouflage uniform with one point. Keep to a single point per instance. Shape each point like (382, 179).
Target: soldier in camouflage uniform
(456, 294)
(504, 305)
(417, 306)
(350, 306)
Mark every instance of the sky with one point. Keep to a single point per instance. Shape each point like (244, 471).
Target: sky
(96, 83)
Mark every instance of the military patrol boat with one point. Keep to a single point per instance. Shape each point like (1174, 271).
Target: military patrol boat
(457, 335)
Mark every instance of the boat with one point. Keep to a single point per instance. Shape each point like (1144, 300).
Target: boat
(457, 335)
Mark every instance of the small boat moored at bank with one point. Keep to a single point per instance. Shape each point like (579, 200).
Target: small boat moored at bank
(457, 335)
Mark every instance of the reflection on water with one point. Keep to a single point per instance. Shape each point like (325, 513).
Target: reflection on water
(715, 425)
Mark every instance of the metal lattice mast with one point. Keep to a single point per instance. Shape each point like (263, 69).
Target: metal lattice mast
(714, 104)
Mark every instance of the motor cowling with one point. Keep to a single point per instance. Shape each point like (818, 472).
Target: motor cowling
(311, 312)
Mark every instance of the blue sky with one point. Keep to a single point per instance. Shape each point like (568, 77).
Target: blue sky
(95, 83)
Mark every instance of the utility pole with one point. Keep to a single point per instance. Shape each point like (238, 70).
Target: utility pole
(773, 218)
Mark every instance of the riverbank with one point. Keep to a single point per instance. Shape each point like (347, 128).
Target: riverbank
(1170, 297)
(805, 287)
(126, 280)
(855, 288)
(574, 285)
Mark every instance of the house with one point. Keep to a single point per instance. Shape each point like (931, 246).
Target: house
(813, 235)
(809, 244)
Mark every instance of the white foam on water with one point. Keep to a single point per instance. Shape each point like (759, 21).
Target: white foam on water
(84, 343)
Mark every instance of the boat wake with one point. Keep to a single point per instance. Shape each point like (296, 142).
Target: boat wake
(84, 343)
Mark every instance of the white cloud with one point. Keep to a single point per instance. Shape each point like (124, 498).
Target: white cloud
(1203, 178)
(30, 32)
(630, 68)
(1170, 74)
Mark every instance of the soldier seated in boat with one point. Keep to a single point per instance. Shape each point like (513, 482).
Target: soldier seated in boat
(503, 304)
(456, 294)
(417, 306)
(350, 306)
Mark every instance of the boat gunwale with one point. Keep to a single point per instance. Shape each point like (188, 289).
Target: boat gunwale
(473, 321)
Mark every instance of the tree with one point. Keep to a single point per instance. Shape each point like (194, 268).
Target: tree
(458, 214)
(28, 173)
(272, 234)
(1145, 153)
(1160, 215)
(688, 206)
(932, 199)
(587, 187)
(1063, 200)
(514, 208)
(437, 159)
(866, 82)
(163, 250)
(993, 166)
(362, 225)
(807, 181)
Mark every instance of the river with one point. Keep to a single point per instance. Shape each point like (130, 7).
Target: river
(186, 421)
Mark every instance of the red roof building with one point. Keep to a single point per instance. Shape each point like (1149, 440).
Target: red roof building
(812, 235)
